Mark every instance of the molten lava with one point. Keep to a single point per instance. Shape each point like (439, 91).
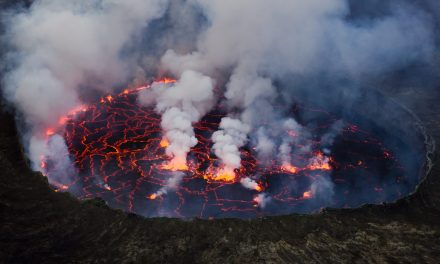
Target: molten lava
(222, 175)
(319, 162)
(307, 195)
(118, 150)
(289, 168)
(164, 143)
(174, 165)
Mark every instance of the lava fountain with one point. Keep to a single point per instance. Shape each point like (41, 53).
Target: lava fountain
(118, 151)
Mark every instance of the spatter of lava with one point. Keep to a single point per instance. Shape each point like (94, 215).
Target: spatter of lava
(117, 148)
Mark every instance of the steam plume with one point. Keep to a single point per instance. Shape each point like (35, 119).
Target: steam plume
(181, 105)
(60, 47)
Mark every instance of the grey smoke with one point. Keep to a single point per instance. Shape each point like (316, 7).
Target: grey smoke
(328, 138)
(60, 46)
(62, 172)
(263, 41)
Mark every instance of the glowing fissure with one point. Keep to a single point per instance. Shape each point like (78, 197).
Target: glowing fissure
(119, 151)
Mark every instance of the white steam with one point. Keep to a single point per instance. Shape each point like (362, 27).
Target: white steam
(172, 183)
(296, 134)
(63, 46)
(232, 135)
(262, 199)
(62, 171)
(250, 184)
(181, 105)
(294, 38)
(322, 189)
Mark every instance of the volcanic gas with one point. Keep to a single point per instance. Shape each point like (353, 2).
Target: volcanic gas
(118, 148)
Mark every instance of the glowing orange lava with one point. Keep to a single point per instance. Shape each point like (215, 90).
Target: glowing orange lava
(307, 195)
(289, 168)
(167, 80)
(319, 162)
(50, 132)
(175, 165)
(223, 175)
(164, 143)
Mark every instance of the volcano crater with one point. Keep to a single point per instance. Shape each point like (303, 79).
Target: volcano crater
(118, 154)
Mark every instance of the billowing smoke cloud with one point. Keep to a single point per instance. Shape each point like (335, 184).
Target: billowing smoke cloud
(232, 135)
(62, 172)
(262, 199)
(181, 105)
(294, 38)
(328, 138)
(296, 135)
(298, 37)
(249, 184)
(60, 47)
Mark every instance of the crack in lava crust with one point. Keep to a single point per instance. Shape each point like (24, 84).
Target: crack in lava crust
(118, 152)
